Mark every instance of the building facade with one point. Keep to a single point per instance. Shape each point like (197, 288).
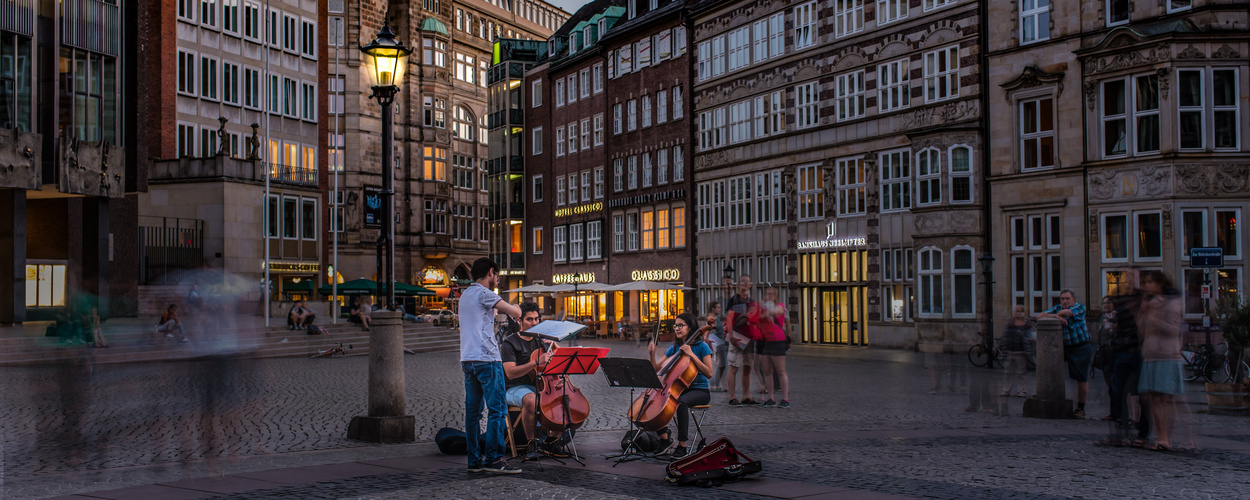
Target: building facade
(66, 215)
(440, 135)
(837, 157)
(1119, 144)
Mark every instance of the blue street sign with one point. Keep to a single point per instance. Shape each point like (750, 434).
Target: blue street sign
(1206, 257)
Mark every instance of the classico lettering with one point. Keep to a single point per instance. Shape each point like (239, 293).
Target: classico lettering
(656, 275)
(580, 209)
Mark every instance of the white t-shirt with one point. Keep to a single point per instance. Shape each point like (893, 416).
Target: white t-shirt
(477, 324)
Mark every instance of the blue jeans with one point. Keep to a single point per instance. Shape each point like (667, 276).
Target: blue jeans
(484, 381)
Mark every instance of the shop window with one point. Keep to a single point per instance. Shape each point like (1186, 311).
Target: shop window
(45, 285)
(930, 282)
(963, 293)
(928, 177)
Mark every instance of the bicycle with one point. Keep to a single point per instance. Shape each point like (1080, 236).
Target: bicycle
(1206, 363)
(335, 351)
(979, 355)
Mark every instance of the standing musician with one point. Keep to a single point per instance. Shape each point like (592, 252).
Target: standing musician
(697, 394)
(518, 367)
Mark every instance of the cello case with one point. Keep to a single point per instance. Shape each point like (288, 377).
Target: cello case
(719, 461)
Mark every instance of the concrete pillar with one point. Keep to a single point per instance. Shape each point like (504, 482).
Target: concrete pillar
(95, 252)
(1050, 400)
(386, 421)
(12, 256)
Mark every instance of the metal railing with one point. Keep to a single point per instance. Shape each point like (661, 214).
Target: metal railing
(93, 25)
(290, 175)
(18, 16)
(168, 245)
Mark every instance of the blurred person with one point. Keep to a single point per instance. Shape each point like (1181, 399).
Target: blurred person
(484, 378)
(741, 333)
(216, 376)
(170, 323)
(363, 311)
(697, 393)
(299, 317)
(95, 334)
(720, 346)
(1124, 365)
(1077, 351)
(1162, 370)
(1106, 330)
(194, 299)
(1017, 339)
(775, 341)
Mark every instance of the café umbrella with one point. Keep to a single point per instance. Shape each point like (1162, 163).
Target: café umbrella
(370, 287)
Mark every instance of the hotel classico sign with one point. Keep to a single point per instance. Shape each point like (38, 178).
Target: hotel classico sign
(580, 209)
(656, 275)
(832, 240)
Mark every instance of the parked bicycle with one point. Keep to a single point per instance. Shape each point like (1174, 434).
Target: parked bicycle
(1209, 363)
(982, 354)
(335, 351)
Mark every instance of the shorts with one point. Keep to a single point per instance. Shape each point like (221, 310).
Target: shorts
(1080, 360)
(774, 347)
(515, 396)
(739, 358)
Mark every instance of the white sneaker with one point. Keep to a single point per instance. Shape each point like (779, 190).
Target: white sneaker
(185, 340)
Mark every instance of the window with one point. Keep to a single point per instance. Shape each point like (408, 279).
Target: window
(805, 25)
(618, 233)
(646, 170)
(646, 111)
(598, 131)
(679, 227)
(308, 106)
(1149, 236)
(290, 103)
(208, 77)
(848, 17)
(272, 27)
(1036, 270)
(679, 164)
(678, 104)
(1197, 116)
(186, 140)
(928, 177)
(308, 38)
(434, 167)
(895, 187)
(961, 174)
(616, 118)
(251, 21)
(186, 9)
(889, 11)
(933, 4)
(941, 74)
(661, 166)
(1178, 5)
(769, 116)
(585, 74)
(739, 48)
(806, 105)
(537, 189)
(1034, 21)
(290, 217)
(740, 201)
(274, 97)
(1037, 134)
(559, 141)
(661, 229)
(648, 230)
(893, 85)
(208, 13)
(186, 72)
(308, 219)
(572, 137)
(850, 95)
(930, 282)
(598, 76)
(336, 96)
(251, 88)
(571, 86)
(632, 220)
(739, 122)
(851, 187)
(290, 34)
(585, 185)
(963, 293)
(770, 201)
(585, 134)
(1227, 232)
(1114, 238)
(718, 55)
(560, 193)
(572, 184)
(1117, 12)
(230, 16)
(594, 239)
(536, 93)
(598, 183)
(618, 175)
(811, 193)
(559, 244)
(898, 297)
(1120, 122)
(466, 67)
(575, 242)
(536, 142)
(633, 172)
(632, 104)
(1194, 231)
(559, 92)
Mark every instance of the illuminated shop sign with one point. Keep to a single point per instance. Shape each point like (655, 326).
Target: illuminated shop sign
(292, 267)
(656, 275)
(647, 198)
(572, 278)
(832, 240)
(578, 210)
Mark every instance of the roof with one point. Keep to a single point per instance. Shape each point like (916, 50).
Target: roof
(587, 12)
(431, 24)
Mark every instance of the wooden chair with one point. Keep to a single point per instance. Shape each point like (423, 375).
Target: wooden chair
(512, 420)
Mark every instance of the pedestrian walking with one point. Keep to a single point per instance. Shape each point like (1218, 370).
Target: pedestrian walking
(483, 369)
(1077, 351)
(1124, 364)
(720, 346)
(741, 333)
(775, 341)
(1162, 371)
(1017, 340)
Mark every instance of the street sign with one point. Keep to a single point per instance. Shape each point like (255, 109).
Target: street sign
(1206, 291)
(1206, 257)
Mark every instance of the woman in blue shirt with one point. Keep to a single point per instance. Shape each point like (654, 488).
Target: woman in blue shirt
(697, 394)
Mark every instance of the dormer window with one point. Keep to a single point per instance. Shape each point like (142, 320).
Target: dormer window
(603, 26)
(577, 41)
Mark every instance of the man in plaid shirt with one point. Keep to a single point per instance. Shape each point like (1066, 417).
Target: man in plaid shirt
(1077, 351)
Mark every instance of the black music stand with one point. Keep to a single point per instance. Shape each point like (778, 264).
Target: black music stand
(632, 373)
(573, 361)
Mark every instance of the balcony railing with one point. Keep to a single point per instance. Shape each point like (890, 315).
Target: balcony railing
(93, 25)
(297, 176)
(18, 16)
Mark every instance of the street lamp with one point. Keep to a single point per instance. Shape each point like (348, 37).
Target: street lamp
(987, 269)
(387, 59)
(577, 305)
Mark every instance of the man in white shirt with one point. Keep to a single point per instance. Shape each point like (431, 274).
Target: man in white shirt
(483, 369)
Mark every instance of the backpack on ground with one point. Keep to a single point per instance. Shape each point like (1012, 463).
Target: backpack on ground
(451, 441)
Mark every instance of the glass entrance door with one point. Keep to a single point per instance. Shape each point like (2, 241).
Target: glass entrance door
(834, 315)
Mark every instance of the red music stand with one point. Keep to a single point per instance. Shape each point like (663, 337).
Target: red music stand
(567, 361)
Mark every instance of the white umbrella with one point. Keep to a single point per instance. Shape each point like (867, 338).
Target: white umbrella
(646, 285)
(593, 286)
(535, 288)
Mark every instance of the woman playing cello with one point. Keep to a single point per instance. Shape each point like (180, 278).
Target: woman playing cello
(697, 393)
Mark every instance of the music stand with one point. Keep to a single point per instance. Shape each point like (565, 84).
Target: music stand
(632, 373)
(567, 361)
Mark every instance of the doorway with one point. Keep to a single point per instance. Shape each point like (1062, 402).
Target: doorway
(835, 315)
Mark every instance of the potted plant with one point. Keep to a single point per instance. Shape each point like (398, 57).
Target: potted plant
(1234, 318)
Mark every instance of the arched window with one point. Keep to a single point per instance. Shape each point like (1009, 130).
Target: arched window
(463, 123)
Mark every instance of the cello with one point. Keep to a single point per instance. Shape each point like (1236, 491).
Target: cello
(655, 407)
(560, 405)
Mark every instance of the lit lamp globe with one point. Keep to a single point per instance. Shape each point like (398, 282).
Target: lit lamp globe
(387, 57)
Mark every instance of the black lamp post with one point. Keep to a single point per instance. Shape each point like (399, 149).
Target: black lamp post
(987, 269)
(387, 58)
(577, 304)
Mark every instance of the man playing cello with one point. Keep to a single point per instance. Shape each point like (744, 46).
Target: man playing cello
(519, 368)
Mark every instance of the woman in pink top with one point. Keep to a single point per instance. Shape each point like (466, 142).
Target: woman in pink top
(1162, 372)
(772, 356)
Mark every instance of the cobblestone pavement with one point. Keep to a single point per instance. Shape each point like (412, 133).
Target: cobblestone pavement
(862, 423)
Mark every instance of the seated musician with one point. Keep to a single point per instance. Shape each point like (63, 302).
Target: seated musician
(518, 368)
(697, 394)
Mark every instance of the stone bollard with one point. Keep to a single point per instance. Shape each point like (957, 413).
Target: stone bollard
(1050, 400)
(386, 421)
